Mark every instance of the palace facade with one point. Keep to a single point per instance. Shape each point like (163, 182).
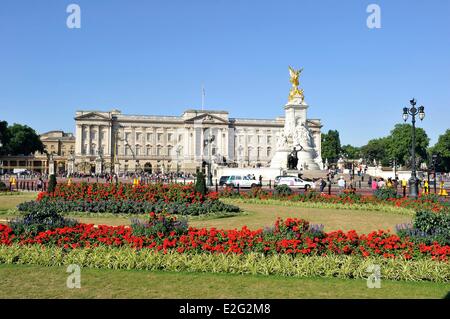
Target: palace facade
(112, 141)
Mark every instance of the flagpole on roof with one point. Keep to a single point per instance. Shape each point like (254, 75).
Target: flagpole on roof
(203, 97)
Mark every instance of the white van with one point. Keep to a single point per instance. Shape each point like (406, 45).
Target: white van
(242, 181)
(296, 182)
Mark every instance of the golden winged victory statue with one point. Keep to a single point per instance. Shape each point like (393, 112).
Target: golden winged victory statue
(295, 91)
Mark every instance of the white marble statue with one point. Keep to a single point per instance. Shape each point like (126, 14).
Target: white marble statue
(302, 136)
(282, 142)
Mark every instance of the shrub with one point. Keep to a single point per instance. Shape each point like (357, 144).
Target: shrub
(385, 193)
(38, 221)
(282, 190)
(427, 227)
(200, 184)
(52, 183)
(3, 187)
(158, 224)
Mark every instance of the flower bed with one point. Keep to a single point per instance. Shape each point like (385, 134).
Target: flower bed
(119, 192)
(424, 202)
(128, 199)
(294, 237)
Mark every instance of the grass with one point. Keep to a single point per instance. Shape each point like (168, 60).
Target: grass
(11, 201)
(24, 281)
(259, 216)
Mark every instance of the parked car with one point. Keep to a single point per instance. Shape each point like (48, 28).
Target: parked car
(223, 180)
(296, 182)
(277, 179)
(242, 181)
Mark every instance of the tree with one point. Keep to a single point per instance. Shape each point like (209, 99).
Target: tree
(4, 136)
(376, 149)
(52, 183)
(22, 139)
(442, 149)
(351, 152)
(200, 184)
(331, 146)
(400, 141)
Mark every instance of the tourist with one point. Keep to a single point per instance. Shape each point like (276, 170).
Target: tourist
(369, 182)
(322, 184)
(404, 185)
(381, 183)
(341, 184)
(374, 185)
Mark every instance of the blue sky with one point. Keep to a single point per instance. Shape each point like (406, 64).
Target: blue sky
(152, 57)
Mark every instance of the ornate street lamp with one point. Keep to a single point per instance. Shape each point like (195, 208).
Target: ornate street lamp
(207, 142)
(413, 111)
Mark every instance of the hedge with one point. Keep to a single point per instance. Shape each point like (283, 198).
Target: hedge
(129, 207)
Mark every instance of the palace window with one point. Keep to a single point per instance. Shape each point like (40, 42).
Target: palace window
(138, 137)
(149, 150)
(138, 150)
(169, 150)
(269, 139)
(170, 137)
(269, 151)
(149, 137)
(160, 135)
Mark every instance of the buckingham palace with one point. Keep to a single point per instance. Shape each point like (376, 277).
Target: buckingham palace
(114, 142)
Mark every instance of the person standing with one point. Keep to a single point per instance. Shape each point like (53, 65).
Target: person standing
(374, 184)
(323, 184)
(404, 185)
(341, 184)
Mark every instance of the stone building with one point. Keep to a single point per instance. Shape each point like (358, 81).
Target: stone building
(57, 143)
(115, 142)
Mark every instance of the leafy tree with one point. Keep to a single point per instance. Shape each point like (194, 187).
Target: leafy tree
(442, 149)
(351, 152)
(400, 141)
(4, 136)
(52, 183)
(200, 184)
(376, 149)
(331, 146)
(22, 139)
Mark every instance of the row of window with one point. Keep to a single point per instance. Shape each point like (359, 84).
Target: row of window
(149, 137)
(260, 139)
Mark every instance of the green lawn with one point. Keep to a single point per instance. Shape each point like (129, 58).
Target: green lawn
(19, 281)
(11, 201)
(333, 219)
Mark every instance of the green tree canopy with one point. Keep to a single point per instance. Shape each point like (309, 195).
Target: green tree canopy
(442, 149)
(4, 136)
(331, 146)
(400, 141)
(376, 149)
(21, 139)
(351, 152)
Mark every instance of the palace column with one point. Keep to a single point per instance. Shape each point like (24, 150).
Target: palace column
(99, 129)
(78, 139)
(88, 134)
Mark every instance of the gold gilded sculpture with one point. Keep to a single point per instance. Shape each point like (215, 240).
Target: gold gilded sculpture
(295, 91)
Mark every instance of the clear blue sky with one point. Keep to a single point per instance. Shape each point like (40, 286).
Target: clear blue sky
(152, 57)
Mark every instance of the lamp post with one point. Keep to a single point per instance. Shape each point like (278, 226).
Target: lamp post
(434, 160)
(207, 142)
(413, 111)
